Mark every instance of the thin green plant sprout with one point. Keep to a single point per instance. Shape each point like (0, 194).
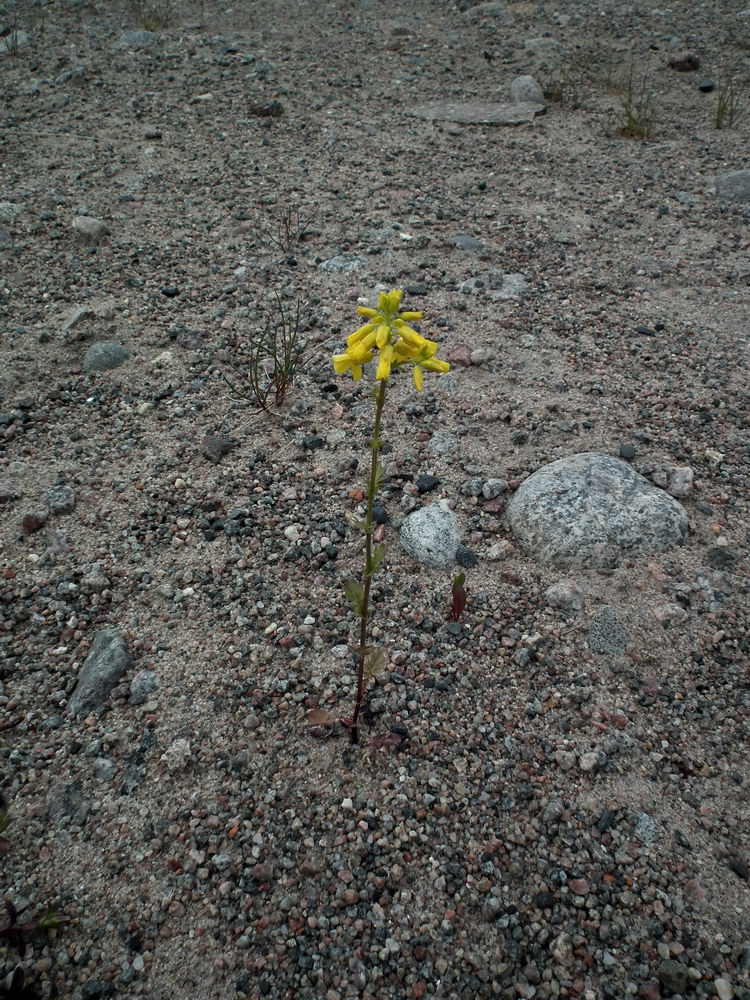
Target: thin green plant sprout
(152, 15)
(276, 355)
(387, 337)
(287, 227)
(636, 115)
(730, 96)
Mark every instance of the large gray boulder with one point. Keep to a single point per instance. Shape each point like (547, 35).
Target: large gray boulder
(592, 511)
(106, 663)
(734, 185)
(430, 535)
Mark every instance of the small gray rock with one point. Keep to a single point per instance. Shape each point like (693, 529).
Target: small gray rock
(606, 635)
(106, 663)
(89, 230)
(342, 264)
(441, 443)
(9, 211)
(472, 487)
(104, 769)
(60, 500)
(734, 185)
(79, 314)
(493, 488)
(430, 535)
(553, 811)
(526, 90)
(143, 684)
(565, 595)
(105, 356)
(645, 829)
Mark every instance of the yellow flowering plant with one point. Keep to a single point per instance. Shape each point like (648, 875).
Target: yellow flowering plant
(387, 339)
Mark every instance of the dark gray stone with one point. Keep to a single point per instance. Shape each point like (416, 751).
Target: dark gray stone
(430, 535)
(145, 683)
(426, 482)
(216, 446)
(673, 976)
(67, 802)
(60, 499)
(106, 663)
(606, 635)
(104, 356)
(591, 511)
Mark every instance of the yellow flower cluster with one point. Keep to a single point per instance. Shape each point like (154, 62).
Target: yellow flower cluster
(386, 331)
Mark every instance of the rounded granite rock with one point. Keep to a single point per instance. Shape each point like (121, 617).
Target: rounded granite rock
(430, 535)
(591, 511)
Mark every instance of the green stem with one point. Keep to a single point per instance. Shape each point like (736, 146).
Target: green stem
(369, 527)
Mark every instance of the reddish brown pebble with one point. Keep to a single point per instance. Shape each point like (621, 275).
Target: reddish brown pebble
(32, 523)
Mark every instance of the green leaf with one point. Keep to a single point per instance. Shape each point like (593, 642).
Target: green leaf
(459, 581)
(375, 560)
(377, 478)
(362, 525)
(49, 922)
(374, 661)
(356, 595)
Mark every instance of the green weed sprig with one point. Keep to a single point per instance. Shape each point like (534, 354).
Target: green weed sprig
(730, 96)
(275, 357)
(636, 115)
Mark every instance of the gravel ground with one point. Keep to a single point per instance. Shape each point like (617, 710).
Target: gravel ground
(552, 821)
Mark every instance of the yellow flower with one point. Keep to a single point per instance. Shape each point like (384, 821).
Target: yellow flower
(385, 359)
(343, 362)
(434, 365)
(397, 344)
(354, 338)
(382, 335)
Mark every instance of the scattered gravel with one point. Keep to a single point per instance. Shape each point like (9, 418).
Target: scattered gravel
(530, 813)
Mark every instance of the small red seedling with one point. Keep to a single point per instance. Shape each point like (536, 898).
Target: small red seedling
(458, 592)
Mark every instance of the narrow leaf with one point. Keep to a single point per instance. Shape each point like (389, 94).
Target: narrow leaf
(459, 598)
(377, 478)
